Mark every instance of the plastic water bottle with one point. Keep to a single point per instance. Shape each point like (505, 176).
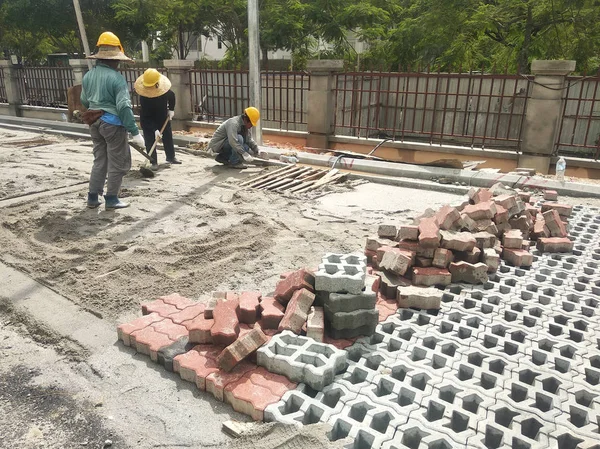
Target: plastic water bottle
(561, 166)
(288, 159)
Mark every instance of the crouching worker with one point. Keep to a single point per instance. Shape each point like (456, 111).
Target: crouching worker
(232, 142)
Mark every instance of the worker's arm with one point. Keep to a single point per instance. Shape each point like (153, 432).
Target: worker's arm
(171, 100)
(123, 106)
(232, 137)
(251, 144)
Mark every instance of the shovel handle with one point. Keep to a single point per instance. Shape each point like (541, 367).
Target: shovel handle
(156, 140)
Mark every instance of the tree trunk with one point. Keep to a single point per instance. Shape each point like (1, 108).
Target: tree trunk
(523, 57)
(181, 49)
(265, 58)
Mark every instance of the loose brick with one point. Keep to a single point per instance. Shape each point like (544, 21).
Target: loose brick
(418, 297)
(472, 256)
(369, 255)
(387, 231)
(423, 262)
(479, 195)
(381, 252)
(297, 310)
(502, 228)
(389, 284)
(396, 260)
(480, 211)
(525, 196)
(476, 273)
(226, 327)
(429, 233)
(374, 243)
(491, 258)
(298, 280)
(517, 257)
(506, 201)
(484, 240)
(517, 209)
(431, 276)
(501, 215)
(486, 225)
(554, 223)
(315, 325)
(468, 224)
(199, 329)
(512, 239)
(241, 348)
(531, 211)
(271, 313)
(539, 227)
(249, 307)
(564, 210)
(446, 217)
(442, 258)
(457, 241)
(125, 330)
(523, 224)
(408, 233)
(408, 245)
(555, 245)
(550, 195)
(425, 252)
(149, 341)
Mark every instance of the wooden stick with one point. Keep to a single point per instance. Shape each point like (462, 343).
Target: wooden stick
(253, 180)
(272, 179)
(314, 176)
(324, 180)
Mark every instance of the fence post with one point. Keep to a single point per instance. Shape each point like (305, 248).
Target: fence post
(180, 85)
(321, 101)
(80, 67)
(543, 115)
(12, 88)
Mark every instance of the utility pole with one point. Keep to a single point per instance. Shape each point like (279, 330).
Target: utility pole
(254, 64)
(86, 46)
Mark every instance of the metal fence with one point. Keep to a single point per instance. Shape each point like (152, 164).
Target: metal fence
(579, 131)
(131, 74)
(44, 86)
(3, 95)
(220, 94)
(456, 108)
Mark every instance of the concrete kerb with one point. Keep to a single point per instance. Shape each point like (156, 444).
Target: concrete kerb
(382, 172)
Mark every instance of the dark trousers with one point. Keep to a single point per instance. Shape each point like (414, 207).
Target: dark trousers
(167, 141)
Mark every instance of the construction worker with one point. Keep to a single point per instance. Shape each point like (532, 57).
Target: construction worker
(157, 102)
(106, 96)
(232, 142)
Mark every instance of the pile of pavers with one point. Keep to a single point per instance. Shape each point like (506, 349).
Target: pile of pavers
(214, 343)
(464, 243)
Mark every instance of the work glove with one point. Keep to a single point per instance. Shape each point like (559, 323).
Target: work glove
(171, 115)
(138, 140)
(247, 157)
(157, 135)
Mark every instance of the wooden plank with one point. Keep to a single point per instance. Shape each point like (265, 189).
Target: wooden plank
(270, 184)
(266, 175)
(299, 181)
(292, 173)
(324, 180)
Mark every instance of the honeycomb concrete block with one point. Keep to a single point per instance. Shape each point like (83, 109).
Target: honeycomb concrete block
(345, 302)
(341, 273)
(302, 359)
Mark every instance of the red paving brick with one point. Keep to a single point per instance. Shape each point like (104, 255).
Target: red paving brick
(249, 307)
(175, 299)
(169, 328)
(160, 307)
(189, 313)
(126, 329)
(272, 313)
(295, 281)
(199, 329)
(217, 381)
(196, 364)
(340, 344)
(386, 307)
(227, 327)
(149, 341)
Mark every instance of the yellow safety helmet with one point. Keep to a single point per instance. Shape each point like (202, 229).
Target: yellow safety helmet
(252, 114)
(108, 38)
(151, 78)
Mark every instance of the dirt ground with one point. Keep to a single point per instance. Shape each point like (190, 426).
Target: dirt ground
(192, 229)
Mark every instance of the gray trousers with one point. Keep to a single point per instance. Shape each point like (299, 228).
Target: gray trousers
(111, 156)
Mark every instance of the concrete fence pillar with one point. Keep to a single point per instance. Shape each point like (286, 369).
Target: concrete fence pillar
(543, 115)
(80, 68)
(12, 88)
(321, 101)
(180, 85)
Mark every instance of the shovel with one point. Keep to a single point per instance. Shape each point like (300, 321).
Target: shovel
(157, 138)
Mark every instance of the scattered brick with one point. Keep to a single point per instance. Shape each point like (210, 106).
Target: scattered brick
(425, 252)
(429, 233)
(480, 211)
(476, 273)
(241, 348)
(523, 223)
(297, 310)
(387, 231)
(408, 233)
(472, 256)
(442, 258)
(249, 307)
(501, 215)
(484, 240)
(370, 254)
(418, 297)
(479, 195)
(555, 245)
(506, 201)
(423, 262)
(468, 223)
(550, 195)
(431, 276)
(315, 325)
(298, 280)
(491, 258)
(271, 313)
(517, 257)
(512, 239)
(554, 223)
(457, 241)
(525, 196)
(446, 217)
(396, 260)
(564, 210)
(408, 245)
(226, 327)
(374, 243)
(389, 283)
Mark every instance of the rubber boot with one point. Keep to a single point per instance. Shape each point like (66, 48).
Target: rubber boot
(93, 202)
(113, 202)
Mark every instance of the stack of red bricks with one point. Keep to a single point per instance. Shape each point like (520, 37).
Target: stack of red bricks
(464, 243)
